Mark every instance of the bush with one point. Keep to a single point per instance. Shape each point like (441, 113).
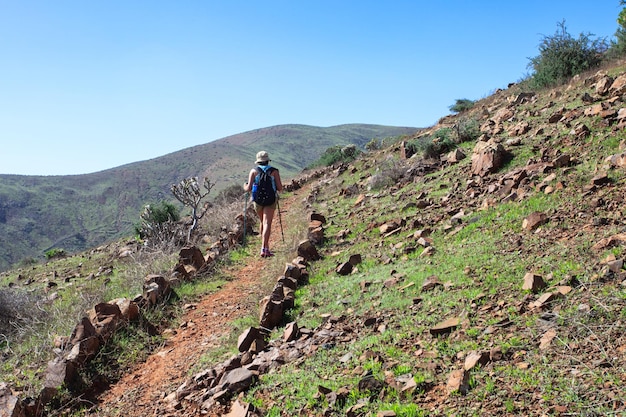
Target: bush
(16, 309)
(373, 145)
(466, 130)
(461, 105)
(54, 253)
(618, 47)
(158, 223)
(561, 57)
(389, 174)
(230, 194)
(336, 154)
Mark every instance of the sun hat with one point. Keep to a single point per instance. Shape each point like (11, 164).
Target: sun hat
(262, 157)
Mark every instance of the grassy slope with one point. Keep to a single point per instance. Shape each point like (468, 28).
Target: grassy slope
(82, 211)
(482, 260)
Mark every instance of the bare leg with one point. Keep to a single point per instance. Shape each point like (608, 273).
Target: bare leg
(268, 217)
(259, 212)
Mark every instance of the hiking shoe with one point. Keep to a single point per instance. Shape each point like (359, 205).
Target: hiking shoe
(265, 253)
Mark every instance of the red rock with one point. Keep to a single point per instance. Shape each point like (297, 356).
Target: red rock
(533, 282)
(534, 220)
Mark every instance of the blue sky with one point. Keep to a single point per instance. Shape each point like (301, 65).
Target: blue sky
(91, 85)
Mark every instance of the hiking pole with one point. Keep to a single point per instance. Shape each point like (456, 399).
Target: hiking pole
(245, 214)
(280, 219)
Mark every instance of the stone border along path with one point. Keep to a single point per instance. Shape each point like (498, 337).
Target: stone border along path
(137, 389)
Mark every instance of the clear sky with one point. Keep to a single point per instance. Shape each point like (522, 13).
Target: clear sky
(91, 85)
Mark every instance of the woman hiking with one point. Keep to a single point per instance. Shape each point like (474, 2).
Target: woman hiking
(264, 182)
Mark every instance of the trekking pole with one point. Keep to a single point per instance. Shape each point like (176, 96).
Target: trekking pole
(280, 219)
(245, 214)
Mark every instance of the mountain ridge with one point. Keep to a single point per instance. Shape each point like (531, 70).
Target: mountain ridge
(78, 211)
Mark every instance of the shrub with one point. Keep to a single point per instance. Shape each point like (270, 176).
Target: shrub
(158, 224)
(336, 154)
(618, 47)
(561, 56)
(466, 130)
(390, 173)
(461, 105)
(230, 194)
(54, 253)
(373, 145)
(16, 308)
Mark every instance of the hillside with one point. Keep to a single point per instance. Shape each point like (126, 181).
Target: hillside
(77, 212)
(487, 281)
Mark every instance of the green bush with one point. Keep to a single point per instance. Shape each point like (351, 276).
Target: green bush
(461, 105)
(336, 154)
(561, 56)
(618, 47)
(373, 145)
(466, 130)
(54, 253)
(156, 215)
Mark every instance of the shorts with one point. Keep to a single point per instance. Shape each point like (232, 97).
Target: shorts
(259, 207)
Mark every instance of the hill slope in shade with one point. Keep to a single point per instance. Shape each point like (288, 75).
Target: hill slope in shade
(76, 212)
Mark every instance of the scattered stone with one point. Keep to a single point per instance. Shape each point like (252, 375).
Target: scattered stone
(533, 282)
(458, 382)
(600, 179)
(245, 340)
(617, 160)
(455, 156)
(431, 283)
(271, 313)
(238, 409)
(610, 242)
(546, 339)
(307, 250)
(487, 158)
(544, 300)
(355, 259)
(237, 380)
(445, 327)
(475, 358)
(534, 220)
(345, 268)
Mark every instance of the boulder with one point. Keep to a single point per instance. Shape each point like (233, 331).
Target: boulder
(191, 255)
(487, 158)
(245, 340)
(271, 313)
(307, 250)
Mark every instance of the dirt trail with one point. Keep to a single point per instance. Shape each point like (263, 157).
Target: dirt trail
(139, 392)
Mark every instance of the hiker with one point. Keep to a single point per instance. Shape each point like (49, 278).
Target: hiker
(264, 200)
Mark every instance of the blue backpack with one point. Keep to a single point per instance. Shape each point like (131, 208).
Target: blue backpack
(264, 187)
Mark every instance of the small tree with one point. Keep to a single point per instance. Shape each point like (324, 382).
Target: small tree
(618, 47)
(189, 193)
(461, 105)
(561, 56)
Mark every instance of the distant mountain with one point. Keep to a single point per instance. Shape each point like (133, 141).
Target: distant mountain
(76, 212)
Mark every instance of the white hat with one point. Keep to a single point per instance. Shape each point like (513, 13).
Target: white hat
(262, 157)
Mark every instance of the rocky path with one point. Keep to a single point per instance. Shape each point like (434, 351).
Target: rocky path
(139, 393)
